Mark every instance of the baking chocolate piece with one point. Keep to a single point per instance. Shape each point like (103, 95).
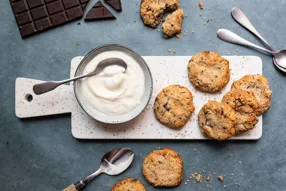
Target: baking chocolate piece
(99, 12)
(34, 16)
(115, 4)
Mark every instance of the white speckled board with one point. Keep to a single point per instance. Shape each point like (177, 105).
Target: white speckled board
(165, 70)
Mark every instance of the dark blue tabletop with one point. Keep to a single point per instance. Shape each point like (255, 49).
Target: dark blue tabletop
(41, 154)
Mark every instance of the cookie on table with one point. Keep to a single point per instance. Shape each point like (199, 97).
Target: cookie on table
(152, 11)
(174, 106)
(163, 168)
(129, 184)
(259, 85)
(245, 104)
(208, 71)
(217, 120)
(172, 25)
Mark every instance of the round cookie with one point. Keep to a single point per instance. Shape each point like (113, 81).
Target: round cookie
(128, 184)
(217, 120)
(163, 168)
(173, 106)
(245, 104)
(259, 85)
(152, 11)
(208, 71)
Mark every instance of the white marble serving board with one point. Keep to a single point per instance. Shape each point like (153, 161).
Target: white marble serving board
(166, 70)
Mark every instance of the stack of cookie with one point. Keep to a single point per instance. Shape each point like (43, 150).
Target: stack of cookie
(152, 12)
(209, 72)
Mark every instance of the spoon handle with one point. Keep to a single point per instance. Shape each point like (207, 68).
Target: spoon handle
(241, 18)
(70, 188)
(231, 37)
(49, 86)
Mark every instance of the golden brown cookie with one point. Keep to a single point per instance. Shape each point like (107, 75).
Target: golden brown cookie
(173, 23)
(217, 120)
(208, 71)
(152, 11)
(173, 106)
(163, 168)
(259, 85)
(245, 104)
(129, 184)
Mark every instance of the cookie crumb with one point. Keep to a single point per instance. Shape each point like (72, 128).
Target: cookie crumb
(134, 21)
(170, 50)
(201, 5)
(220, 178)
(178, 36)
(213, 172)
(195, 150)
(174, 51)
(210, 187)
(208, 177)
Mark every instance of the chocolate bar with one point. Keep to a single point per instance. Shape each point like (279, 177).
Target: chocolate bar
(99, 12)
(115, 4)
(33, 16)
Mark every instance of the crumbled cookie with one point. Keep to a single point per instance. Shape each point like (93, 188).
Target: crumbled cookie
(208, 71)
(173, 106)
(217, 120)
(245, 104)
(152, 11)
(172, 25)
(259, 85)
(129, 184)
(220, 178)
(201, 5)
(163, 168)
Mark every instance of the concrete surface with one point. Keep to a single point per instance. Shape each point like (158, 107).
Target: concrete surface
(41, 154)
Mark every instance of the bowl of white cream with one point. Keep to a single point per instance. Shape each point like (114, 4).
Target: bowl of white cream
(115, 95)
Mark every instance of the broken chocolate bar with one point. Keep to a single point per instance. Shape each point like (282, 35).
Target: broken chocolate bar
(33, 16)
(99, 12)
(115, 4)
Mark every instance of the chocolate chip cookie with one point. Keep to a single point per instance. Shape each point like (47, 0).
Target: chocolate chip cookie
(129, 184)
(152, 11)
(163, 168)
(172, 25)
(208, 71)
(173, 106)
(259, 85)
(245, 104)
(217, 120)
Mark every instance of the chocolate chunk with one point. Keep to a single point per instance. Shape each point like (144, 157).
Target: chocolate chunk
(33, 16)
(115, 4)
(99, 12)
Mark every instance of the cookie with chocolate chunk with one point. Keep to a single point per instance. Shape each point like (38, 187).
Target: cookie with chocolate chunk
(173, 106)
(152, 11)
(208, 71)
(245, 104)
(172, 25)
(217, 120)
(129, 184)
(259, 85)
(163, 168)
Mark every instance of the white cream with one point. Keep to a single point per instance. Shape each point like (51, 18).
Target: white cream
(114, 91)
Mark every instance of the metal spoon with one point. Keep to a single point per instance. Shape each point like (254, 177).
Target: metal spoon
(231, 37)
(241, 18)
(49, 86)
(112, 163)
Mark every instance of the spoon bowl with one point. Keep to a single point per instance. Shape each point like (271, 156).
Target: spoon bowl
(112, 163)
(280, 58)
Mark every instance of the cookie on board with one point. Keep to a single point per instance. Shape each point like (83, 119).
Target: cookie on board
(259, 85)
(208, 71)
(174, 106)
(217, 120)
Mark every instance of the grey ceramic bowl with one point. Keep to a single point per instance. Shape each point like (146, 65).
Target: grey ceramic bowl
(96, 114)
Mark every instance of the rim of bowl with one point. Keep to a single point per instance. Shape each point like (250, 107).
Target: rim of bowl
(93, 53)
